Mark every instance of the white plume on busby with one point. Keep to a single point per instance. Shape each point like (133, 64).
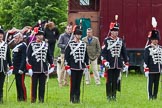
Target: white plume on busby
(116, 17)
(155, 34)
(154, 22)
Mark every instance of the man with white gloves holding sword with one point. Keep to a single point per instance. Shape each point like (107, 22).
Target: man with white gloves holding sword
(38, 57)
(76, 60)
(5, 59)
(112, 55)
(153, 63)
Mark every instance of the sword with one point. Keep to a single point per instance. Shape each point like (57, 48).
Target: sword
(11, 84)
(7, 86)
(47, 84)
(85, 70)
(83, 90)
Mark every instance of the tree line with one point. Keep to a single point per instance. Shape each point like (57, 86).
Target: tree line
(20, 13)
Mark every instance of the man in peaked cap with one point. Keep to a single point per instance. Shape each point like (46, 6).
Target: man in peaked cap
(38, 55)
(111, 56)
(152, 64)
(19, 63)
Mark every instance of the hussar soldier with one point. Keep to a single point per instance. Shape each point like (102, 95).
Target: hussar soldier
(112, 55)
(5, 59)
(76, 60)
(153, 63)
(38, 57)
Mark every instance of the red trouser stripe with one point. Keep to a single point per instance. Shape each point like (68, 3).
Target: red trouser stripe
(23, 86)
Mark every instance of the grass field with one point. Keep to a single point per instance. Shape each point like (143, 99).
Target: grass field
(133, 95)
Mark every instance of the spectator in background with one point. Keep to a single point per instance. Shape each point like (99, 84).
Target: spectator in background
(51, 35)
(62, 43)
(93, 49)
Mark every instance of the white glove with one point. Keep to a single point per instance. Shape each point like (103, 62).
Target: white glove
(10, 72)
(30, 71)
(125, 69)
(51, 70)
(20, 72)
(147, 74)
(107, 64)
(85, 71)
(68, 71)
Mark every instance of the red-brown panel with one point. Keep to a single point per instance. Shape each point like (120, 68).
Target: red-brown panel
(108, 9)
(103, 19)
(144, 22)
(130, 22)
(157, 13)
(134, 18)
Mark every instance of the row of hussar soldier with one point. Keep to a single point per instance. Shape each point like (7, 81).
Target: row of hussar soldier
(31, 60)
(115, 49)
(38, 54)
(113, 54)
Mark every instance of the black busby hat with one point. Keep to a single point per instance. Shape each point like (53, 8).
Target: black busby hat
(1, 31)
(39, 33)
(155, 35)
(78, 32)
(114, 26)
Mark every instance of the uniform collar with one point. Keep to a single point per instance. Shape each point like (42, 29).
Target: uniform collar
(113, 38)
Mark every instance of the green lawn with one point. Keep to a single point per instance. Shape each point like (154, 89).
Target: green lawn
(133, 95)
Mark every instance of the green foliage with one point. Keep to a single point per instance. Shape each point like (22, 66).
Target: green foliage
(133, 95)
(57, 50)
(20, 13)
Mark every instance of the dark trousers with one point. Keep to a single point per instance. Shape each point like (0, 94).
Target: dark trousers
(75, 82)
(38, 78)
(2, 79)
(52, 48)
(111, 82)
(153, 85)
(20, 86)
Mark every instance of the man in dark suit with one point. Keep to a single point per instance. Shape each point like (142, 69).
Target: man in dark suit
(19, 63)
